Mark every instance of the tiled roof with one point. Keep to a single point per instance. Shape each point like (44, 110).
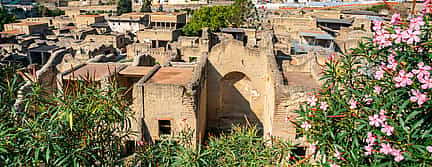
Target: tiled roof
(90, 16)
(27, 23)
(13, 32)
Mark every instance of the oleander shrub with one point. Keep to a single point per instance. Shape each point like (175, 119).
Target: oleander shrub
(85, 125)
(243, 146)
(375, 108)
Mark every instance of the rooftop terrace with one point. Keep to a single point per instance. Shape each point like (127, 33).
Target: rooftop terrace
(96, 71)
(172, 75)
(301, 79)
(135, 71)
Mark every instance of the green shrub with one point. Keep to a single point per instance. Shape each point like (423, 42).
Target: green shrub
(84, 125)
(242, 147)
(375, 106)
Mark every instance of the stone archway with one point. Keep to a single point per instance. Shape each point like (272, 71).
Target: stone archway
(237, 97)
(237, 87)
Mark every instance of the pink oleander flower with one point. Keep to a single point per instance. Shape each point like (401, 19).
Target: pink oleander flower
(323, 106)
(385, 148)
(422, 71)
(416, 23)
(418, 97)
(337, 154)
(398, 36)
(427, 83)
(382, 115)
(429, 149)
(399, 158)
(403, 79)
(379, 74)
(306, 126)
(368, 149)
(367, 99)
(334, 165)
(312, 101)
(353, 104)
(377, 89)
(396, 152)
(411, 36)
(377, 25)
(382, 38)
(387, 129)
(392, 63)
(395, 19)
(312, 148)
(375, 120)
(370, 138)
(426, 7)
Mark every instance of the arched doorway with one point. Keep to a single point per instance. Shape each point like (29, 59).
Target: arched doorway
(237, 98)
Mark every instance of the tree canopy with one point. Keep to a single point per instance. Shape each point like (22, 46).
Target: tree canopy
(45, 12)
(5, 18)
(124, 6)
(217, 17)
(146, 7)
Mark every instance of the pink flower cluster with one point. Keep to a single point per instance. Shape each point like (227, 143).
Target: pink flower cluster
(378, 120)
(423, 75)
(383, 38)
(426, 7)
(306, 126)
(392, 65)
(312, 101)
(403, 79)
(385, 148)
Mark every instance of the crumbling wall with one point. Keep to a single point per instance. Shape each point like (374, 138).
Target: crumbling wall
(288, 100)
(137, 49)
(197, 102)
(46, 76)
(226, 59)
(138, 125)
(293, 25)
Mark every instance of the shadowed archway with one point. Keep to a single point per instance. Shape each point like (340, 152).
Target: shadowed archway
(236, 100)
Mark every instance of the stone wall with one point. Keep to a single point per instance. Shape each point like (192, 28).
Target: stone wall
(349, 37)
(45, 76)
(293, 25)
(156, 34)
(236, 85)
(330, 14)
(136, 49)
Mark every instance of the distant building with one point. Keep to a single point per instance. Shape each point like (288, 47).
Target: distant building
(118, 41)
(55, 22)
(334, 24)
(316, 41)
(87, 20)
(41, 54)
(165, 27)
(167, 20)
(27, 28)
(72, 12)
(129, 22)
(179, 2)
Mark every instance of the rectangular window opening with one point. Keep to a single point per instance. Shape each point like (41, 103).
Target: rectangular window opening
(164, 127)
